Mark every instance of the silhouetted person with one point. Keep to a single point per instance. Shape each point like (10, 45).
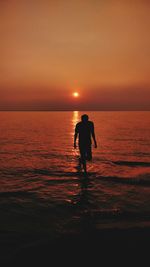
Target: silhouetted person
(85, 130)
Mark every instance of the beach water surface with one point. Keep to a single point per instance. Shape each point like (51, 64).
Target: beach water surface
(42, 190)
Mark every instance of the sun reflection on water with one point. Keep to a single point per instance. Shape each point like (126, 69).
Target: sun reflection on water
(75, 118)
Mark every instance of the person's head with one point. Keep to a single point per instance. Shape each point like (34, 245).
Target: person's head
(84, 118)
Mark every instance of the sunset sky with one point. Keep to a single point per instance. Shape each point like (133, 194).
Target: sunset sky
(50, 49)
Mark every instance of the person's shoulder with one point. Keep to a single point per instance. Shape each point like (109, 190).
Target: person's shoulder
(78, 124)
(91, 123)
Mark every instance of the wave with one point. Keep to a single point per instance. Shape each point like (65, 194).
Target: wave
(132, 163)
(61, 176)
(131, 181)
(44, 172)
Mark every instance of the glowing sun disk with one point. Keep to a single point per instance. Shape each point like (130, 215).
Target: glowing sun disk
(75, 94)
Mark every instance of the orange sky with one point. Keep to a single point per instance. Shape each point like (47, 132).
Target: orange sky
(50, 49)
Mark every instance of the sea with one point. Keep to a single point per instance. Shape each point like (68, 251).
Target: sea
(43, 193)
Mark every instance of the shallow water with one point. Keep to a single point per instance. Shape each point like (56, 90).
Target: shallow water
(41, 188)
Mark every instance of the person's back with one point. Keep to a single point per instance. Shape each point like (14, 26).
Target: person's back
(85, 130)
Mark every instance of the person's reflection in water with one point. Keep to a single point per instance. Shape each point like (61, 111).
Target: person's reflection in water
(85, 130)
(84, 195)
(85, 204)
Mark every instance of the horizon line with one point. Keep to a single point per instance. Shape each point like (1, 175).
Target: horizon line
(68, 110)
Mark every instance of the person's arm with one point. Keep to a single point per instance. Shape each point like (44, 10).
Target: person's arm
(75, 137)
(93, 135)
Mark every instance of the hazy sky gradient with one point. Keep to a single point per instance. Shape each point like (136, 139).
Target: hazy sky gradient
(50, 49)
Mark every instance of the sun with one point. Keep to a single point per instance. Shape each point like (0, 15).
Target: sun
(75, 94)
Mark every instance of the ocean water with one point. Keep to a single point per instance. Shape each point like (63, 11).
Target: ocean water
(41, 188)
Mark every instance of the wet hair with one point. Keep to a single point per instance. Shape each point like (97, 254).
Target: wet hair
(84, 117)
